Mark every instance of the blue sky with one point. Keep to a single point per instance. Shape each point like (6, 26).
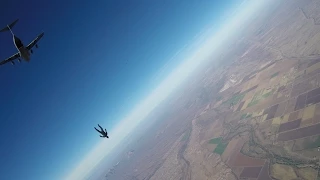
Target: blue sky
(95, 62)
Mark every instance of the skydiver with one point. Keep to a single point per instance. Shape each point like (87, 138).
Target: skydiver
(103, 132)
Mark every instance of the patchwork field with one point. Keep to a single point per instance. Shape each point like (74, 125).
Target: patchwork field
(272, 118)
(264, 126)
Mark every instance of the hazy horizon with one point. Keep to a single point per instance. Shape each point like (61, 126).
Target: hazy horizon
(199, 55)
(109, 63)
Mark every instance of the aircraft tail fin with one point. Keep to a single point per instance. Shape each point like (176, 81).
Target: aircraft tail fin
(9, 26)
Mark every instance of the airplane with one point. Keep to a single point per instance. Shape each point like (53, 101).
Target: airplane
(23, 51)
(103, 132)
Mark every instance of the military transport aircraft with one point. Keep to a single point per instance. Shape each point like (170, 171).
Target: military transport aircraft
(23, 51)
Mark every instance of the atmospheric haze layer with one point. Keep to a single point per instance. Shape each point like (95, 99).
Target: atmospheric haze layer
(253, 115)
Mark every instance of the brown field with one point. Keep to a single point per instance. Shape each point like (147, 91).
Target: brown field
(229, 152)
(250, 172)
(271, 111)
(301, 101)
(245, 161)
(304, 86)
(281, 108)
(264, 174)
(313, 100)
(299, 133)
(236, 147)
(289, 125)
(237, 159)
(295, 115)
(313, 93)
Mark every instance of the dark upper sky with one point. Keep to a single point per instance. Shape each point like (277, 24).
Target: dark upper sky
(94, 63)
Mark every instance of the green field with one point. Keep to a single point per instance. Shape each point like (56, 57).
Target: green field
(312, 144)
(215, 140)
(259, 96)
(220, 148)
(220, 145)
(274, 75)
(267, 94)
(246, 115)
(252, 103)
(235, 99)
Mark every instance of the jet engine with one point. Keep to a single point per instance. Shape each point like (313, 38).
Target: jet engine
(37, 46)
(19, 60)
(12, 62)
(31, 51)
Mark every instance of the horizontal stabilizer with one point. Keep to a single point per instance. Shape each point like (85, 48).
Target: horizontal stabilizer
(9, 26)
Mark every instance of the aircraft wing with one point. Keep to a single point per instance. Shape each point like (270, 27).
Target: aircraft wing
(13, 57)
(34, 42)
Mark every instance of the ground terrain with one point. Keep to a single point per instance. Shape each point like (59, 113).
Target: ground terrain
(264, 126)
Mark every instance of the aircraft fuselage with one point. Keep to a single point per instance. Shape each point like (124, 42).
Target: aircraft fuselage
(23, 51)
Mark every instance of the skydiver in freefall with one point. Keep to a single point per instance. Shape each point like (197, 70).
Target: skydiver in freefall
(103, 132)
